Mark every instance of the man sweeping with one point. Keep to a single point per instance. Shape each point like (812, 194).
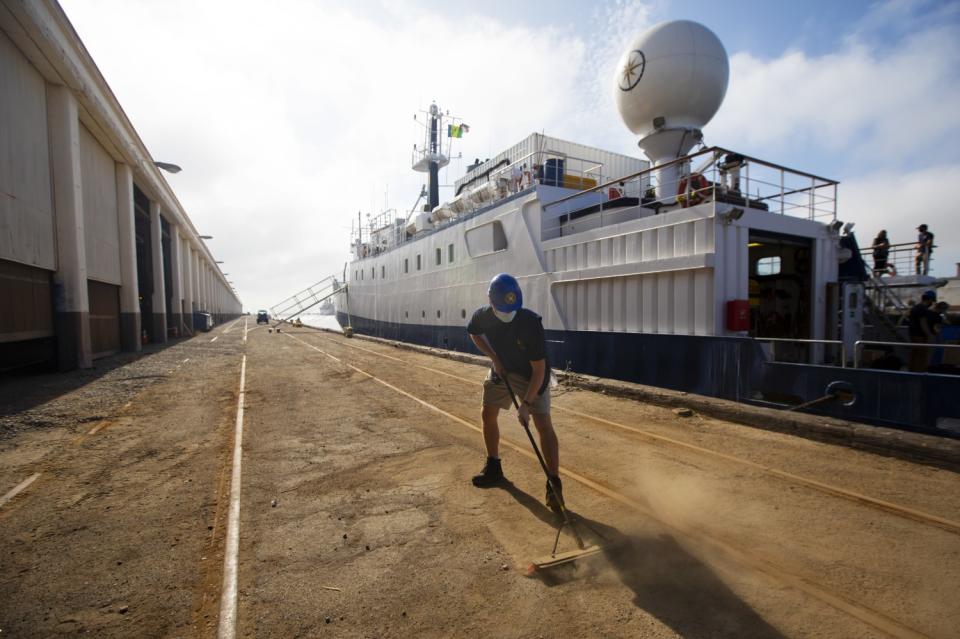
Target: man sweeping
(512, 337)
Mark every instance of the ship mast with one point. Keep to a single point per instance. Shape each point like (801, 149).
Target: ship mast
(434, 165)
(429, 158)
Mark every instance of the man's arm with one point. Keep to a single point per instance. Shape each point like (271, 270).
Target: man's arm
(481, 343)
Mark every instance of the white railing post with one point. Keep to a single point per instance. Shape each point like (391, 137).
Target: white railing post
(781, 191)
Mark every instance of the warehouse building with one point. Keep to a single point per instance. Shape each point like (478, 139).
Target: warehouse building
(96, 253)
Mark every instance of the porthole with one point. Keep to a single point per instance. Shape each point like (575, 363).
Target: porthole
(463, 313)
(423, 314)
(438, 314)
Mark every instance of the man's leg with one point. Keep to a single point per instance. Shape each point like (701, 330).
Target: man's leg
(492, 473)
(491, 430)
(548, 442)
(550, 446)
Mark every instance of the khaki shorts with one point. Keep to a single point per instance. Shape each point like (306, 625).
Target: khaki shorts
(496, 394)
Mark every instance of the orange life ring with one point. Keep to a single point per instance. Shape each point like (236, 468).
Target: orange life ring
(698, 186)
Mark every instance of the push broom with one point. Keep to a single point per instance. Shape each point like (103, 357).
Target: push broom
(554, 559)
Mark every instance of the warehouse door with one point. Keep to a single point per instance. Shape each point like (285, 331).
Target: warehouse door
(26, 323)
(104, 318)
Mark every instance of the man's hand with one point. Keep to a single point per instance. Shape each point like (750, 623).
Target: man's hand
(523, 414)
(498, 367)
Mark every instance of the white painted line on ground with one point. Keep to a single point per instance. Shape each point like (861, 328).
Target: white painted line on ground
(228, 600)
(19, 488)
(245, 331)
(215, 338)
(230, 327)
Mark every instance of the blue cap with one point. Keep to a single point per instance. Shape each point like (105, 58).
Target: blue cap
(505, 295)
(929, 295)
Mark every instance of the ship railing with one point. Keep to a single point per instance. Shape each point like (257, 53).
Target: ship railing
(859, 345)
(901, 260)
(713, 175)
(576, 172)
(811, 356)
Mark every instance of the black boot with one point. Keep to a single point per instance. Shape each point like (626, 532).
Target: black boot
(554, 501)
(491, 475)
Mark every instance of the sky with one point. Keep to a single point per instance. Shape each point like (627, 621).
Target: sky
(290, 117)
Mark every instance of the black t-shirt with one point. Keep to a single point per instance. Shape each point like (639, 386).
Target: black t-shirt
(918, 312)
(516, 343)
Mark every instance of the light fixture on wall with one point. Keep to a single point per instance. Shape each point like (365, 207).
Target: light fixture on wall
(168, 167)
(730, 214)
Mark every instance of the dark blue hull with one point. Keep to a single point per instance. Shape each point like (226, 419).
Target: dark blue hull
(731, 368)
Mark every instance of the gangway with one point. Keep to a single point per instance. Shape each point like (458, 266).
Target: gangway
(306, 299)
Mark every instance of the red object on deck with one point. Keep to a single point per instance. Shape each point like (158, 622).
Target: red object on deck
(738, 315)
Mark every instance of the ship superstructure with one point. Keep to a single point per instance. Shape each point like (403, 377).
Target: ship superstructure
(706, 270)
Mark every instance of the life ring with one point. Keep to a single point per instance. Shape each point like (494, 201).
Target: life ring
(698, 186)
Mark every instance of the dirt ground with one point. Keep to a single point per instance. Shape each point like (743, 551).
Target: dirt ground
(358, 518)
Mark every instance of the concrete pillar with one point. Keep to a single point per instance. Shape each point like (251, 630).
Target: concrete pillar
(202, 266)
(71, 303)
(159, 318)
(129, 291)
(176, 283)
(188, 285)
(195, 273)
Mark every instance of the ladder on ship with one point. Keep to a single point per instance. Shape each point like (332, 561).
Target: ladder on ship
(306, 299)
(884, 315)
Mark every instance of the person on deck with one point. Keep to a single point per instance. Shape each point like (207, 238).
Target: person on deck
(513, 338)
(921, 330)
(881, 251)
(924, 248)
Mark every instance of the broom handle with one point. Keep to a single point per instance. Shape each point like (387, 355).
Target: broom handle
(543, 465)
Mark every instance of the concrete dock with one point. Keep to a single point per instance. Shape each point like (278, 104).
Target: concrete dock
(328, 494)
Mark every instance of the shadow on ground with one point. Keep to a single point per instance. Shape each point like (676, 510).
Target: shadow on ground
(25, 389)
(667, 581)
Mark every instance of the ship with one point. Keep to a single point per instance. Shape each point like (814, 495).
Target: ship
(698, 269)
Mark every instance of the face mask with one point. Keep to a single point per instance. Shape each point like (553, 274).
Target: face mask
(504, 317)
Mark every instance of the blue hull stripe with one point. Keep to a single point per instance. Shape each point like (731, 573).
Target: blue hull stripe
(725, 367)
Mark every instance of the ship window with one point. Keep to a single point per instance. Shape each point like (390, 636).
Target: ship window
(423, 314)
(373, 272)
(439, 256)
(450, 253)
(768, 266)
(406, 313)
(383, 271)
(486, 238)
(463, 313)
(406, 265)
(418, 262)
(438, 314)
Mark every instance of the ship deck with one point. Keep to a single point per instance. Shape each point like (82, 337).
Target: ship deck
(129, 507)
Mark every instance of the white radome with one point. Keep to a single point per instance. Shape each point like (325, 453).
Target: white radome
(677, 71)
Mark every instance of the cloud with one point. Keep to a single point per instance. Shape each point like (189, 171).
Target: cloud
(879, 114)
(899, 201)
(289, 121)
(875, 108)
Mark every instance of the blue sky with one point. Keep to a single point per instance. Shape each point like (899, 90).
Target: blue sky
(288, 118)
